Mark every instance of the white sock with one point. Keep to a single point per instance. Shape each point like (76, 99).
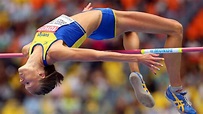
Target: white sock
(138, 74)
(176, 90)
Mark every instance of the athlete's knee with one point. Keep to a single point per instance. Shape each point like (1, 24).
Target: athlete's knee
(177, 29)
(131, 35)
(127, 34)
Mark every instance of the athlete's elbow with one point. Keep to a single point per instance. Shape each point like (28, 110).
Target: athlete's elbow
(93, 57)
(86, 55)
(98, 58)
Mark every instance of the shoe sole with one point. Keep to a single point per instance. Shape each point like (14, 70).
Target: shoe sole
(142, 96)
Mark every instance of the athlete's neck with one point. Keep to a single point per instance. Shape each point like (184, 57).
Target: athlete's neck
(35, 59)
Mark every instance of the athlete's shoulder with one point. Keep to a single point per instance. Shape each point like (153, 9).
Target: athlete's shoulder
(57, 45)
(56, 50)
(25, 49)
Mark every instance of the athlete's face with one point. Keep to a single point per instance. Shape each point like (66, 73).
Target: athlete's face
(30, 78)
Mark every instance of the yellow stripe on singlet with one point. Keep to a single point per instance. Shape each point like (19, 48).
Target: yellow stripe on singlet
(79, 41)
(115, 24)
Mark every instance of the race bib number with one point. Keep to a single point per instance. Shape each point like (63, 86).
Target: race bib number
(55, 24)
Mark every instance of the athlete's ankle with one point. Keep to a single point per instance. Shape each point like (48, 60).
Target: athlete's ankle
(176, 90)
(136, 72)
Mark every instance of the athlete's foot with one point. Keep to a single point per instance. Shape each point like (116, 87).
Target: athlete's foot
(180, 102)
(141, 91)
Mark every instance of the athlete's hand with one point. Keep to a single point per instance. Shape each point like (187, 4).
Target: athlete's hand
(88, 7)
(151, 61)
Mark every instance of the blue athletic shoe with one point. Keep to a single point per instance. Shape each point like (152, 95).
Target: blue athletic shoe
(180, 102)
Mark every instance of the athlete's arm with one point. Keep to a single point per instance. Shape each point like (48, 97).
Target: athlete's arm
(88, 55)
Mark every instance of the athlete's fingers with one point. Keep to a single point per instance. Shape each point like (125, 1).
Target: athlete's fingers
(155, 67)
(89, 4)
(151, 67)
(156, 57)
(157, 64)
(88, 7)
(159, 59)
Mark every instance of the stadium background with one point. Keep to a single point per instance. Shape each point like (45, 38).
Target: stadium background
(97, 87)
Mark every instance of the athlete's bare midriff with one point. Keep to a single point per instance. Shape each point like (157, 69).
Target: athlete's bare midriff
(89, 20)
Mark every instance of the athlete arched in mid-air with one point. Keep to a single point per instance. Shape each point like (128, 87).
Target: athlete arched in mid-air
(59, 40)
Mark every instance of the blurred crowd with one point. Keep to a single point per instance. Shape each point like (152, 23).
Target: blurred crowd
(97, 87)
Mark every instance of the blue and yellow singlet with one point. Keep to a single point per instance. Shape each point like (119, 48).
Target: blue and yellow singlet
(66, 29)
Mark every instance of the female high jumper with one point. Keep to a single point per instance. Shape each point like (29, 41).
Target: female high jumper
(59, 40)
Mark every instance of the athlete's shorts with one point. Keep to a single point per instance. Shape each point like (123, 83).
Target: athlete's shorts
(107, 27)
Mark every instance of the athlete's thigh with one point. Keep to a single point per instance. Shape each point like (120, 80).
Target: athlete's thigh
(143, 22)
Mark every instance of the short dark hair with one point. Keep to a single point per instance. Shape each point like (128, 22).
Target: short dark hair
(51, 80)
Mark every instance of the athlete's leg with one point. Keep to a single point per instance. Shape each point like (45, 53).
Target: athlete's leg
(131, 41)
(148, 23)
(143, 22)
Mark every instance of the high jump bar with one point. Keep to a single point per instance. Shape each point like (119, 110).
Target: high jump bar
(11, 55)
(136, 51)
(162, 50)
